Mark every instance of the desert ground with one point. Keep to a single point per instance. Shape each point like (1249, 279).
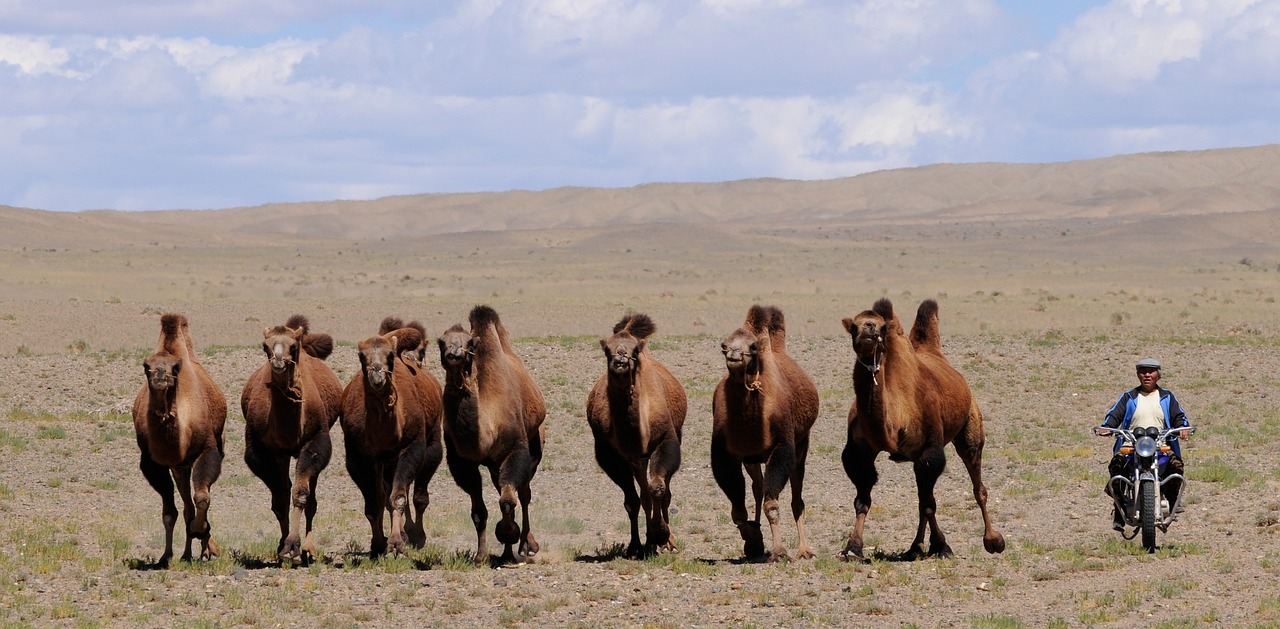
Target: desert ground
(1044, 315)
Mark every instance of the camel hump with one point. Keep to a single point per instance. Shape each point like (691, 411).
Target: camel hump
(408, 338)
(174, 335)
(884, 308)
(638, 325)
(482, 317)
(924, 332)
(298, 322)
(768, 322)
(390, 324)
(318, 345)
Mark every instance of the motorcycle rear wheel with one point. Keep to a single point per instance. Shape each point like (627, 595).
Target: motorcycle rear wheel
(1147, 496)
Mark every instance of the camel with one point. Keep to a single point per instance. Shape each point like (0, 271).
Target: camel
(636, 411)
(391, 411)
(289, 404)
(178, 417)
(493, 414)
(910, 402)
(763, 411)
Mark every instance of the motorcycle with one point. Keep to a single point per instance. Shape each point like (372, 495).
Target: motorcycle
(1139, 494)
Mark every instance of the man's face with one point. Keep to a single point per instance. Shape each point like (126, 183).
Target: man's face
(1147, 378)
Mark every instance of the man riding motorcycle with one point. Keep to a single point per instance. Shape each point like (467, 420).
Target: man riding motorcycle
(1145, 405)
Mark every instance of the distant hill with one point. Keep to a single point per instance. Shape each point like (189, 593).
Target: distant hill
(1122, 188)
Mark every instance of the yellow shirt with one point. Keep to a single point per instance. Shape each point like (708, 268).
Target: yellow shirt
(1148, 411)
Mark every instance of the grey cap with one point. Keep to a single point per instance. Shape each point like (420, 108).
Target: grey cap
(1150, 363)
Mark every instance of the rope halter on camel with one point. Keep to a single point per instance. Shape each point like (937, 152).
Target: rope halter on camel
(877, 357)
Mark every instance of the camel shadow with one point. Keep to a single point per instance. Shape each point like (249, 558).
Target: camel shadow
(619, 551)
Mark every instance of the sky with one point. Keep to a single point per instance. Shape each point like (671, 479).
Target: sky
(156, 104)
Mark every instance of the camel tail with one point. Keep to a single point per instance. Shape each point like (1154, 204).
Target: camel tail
(318, 345)
(924, 332)
(638, 325)
(174, 337)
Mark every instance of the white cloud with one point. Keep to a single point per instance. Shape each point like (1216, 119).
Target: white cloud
(148, 104)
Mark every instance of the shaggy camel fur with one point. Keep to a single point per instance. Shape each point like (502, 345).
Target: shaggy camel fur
(289, 404)
(391, 411)
(178, 416)
(493, 414)
(910, 402)
(763, 410)
(636, 412)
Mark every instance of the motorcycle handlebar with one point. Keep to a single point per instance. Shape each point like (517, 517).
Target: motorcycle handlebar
(1171, 433)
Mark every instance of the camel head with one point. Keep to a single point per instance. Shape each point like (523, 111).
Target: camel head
(378, 360)
(622, 352)
(740, 350)
(871, 330)
(457, 349)
(162, 372)
(282, 346)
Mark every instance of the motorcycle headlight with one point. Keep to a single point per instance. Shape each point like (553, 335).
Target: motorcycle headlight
(1146, 447)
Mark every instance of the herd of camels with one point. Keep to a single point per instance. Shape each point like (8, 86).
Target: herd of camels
(399, 422)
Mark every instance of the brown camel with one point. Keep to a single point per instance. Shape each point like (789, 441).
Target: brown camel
(493, 414)
(636, 412)
(178, 417)
(391, 411)
(763, 410)
(910, 402)
(290, 403)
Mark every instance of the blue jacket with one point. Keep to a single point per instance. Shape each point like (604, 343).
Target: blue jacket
(1121, 414)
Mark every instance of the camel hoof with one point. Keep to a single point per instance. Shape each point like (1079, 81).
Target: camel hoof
(753, 548)
(994, 544)
(853, 552)
(779, 554)
(529, 547)
(396, 547)
(943, 552)
(805, 553)
(635, 550)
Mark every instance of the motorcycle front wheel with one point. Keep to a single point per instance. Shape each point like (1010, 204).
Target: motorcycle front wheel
(1147, 496)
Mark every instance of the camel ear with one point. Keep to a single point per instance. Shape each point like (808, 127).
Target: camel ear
(266, 333)
(848, 325)
(604, 345)
(640, 346)
(392, 340)
(294, 332)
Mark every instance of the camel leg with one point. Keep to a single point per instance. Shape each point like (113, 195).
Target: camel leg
(158, 476)
(421, 493)
(200, 478)
(528, 545)
(411, 460)
(466, 475)
(273, 471)
(618, 471)
(757, 485)
(367, 475)
(662, 466)
(860, 466)
(928, 468)
(803, 550)
(776, 473)
(313, 458)
(511, 479)
(970, 451)
(727, 470)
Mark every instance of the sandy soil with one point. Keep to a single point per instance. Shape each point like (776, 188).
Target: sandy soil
(79, 522)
